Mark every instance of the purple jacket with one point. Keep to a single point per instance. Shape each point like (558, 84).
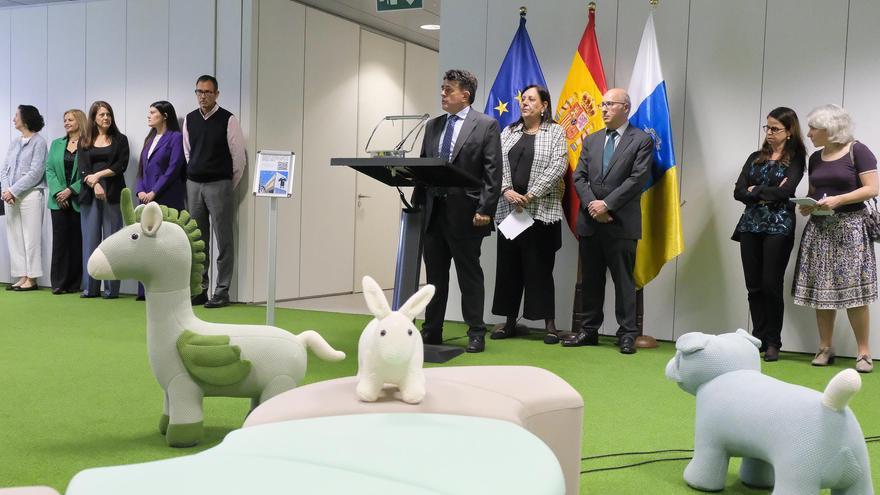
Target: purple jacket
(164, 170)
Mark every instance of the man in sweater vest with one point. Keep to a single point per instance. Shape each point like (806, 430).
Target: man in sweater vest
(214, 147)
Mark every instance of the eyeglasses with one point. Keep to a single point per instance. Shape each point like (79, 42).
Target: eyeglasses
(772, 130)
(202, 92)
(609, 103)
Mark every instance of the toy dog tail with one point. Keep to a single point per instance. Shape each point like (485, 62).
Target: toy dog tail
(312, 340)
(841, 389)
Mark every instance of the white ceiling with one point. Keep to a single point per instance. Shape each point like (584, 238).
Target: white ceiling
(402, 24)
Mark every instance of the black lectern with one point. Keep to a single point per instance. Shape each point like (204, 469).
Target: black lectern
(409, 172)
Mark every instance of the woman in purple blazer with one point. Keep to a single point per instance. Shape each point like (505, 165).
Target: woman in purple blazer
(161, 170)
(161, 175)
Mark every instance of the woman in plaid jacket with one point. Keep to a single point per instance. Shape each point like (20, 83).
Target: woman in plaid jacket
(535, 159)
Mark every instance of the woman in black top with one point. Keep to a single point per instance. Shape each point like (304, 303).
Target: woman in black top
(766, 229)
(103, 159)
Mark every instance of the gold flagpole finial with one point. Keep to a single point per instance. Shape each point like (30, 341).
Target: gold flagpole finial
(591, 6)
(654, 3)
(522, 11)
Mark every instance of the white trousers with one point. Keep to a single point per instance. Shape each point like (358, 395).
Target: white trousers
(24, 227)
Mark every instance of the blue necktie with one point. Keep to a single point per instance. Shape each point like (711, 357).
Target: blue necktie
(609, 151)
(446, 147)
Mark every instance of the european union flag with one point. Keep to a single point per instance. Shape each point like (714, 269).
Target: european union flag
(519, 69)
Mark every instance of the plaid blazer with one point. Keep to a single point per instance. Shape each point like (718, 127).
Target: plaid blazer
(546, 179)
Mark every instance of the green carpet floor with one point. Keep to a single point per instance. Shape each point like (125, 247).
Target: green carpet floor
(77, 392)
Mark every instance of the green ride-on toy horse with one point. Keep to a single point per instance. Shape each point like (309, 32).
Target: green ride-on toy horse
(191, 358)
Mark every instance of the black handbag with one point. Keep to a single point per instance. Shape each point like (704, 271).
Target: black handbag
(872, 219)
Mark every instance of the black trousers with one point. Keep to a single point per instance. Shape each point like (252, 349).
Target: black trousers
(67, 257)
(441, 249)
(602, 252)
(764, 259)
(525, 264)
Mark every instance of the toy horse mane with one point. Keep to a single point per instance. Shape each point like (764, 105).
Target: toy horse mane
(181, 218)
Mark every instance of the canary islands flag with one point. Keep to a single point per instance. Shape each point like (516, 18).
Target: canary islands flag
(578, 109)
(662, 239)
(519, 69)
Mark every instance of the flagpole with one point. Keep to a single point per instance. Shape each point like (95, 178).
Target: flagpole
(644, 341)
(577, 311)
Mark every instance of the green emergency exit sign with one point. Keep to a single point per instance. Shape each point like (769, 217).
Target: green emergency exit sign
(386, 5)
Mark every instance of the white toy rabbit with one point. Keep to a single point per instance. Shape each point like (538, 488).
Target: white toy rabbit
(390, 349)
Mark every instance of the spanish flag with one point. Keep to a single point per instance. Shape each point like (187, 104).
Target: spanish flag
(578, 109)
(662, 239)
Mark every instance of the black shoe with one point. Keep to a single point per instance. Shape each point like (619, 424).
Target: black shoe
(11, 287)
(584, 337)
(199, 299)
(627, 345)
(57, 291)
(432, 338)
(217, 302)
(771, 354)
(551, 338)
(140, 298)
(503, 332)
(26, 289)
(86, 295)
(476, 343)
(109, 296)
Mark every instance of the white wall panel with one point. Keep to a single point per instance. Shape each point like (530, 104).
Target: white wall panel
(28, 67)
(66, 67)
(105, 55)
(860, 99)
(712, 295)
(228, 62)
(280, 127)
(6, 113)
(468, 44)
(190, 51)
(330, 99)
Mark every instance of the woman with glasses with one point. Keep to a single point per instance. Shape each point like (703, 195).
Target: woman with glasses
(160, 175)
(836, 266)
(22, 181)
(103, 158)
(766, 228)
(534, 161)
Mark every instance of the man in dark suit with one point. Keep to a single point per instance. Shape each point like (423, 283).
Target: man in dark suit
(612, 171)
(457, 219)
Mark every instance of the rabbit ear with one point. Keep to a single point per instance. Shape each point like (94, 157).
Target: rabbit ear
(375, 298)
(690, 343)
(742, 333)
(417, 302)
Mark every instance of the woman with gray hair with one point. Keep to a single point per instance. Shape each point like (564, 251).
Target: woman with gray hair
(836, 268)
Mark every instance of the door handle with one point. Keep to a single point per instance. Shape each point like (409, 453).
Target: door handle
(362, 196)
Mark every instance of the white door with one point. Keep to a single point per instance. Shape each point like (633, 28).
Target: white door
(377, 206)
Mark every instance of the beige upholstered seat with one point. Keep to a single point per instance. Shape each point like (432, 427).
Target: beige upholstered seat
(534, 398)
(28, 490)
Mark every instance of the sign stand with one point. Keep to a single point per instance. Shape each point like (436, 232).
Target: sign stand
(273, 179)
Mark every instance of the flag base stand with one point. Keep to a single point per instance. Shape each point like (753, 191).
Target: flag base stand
(642, 341)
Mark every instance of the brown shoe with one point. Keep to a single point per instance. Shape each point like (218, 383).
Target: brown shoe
(824, 357)
(864, 364)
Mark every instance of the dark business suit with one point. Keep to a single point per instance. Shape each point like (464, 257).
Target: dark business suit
(612, 246)
(449, 213)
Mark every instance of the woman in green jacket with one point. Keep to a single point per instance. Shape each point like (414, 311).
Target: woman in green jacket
(63, 180)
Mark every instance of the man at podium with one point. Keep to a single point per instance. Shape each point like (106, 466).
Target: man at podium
(457, 219)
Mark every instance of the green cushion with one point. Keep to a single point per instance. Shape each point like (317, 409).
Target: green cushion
(391, 454)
